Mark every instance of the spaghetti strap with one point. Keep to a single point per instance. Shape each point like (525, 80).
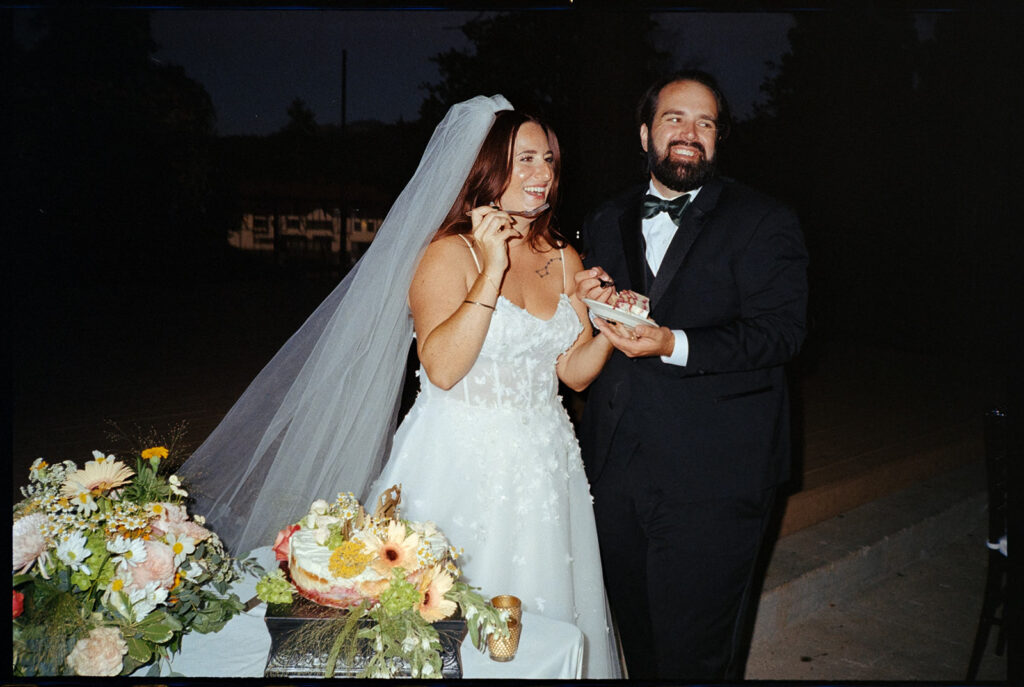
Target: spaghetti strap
(561, 254)
(473, 252)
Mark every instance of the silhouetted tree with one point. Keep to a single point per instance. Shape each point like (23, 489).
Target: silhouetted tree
(582, 71)
(969, 138)
(301, 120)
(834, 140)
(112, 147)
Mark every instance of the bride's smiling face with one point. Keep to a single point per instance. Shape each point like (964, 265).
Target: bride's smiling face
(533, 164)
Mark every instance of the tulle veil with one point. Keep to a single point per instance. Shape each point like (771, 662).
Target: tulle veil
(319, 418)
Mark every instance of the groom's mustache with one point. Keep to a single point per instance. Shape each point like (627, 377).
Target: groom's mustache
(692, 144)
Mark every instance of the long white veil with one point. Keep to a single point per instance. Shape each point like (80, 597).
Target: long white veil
(319, 418)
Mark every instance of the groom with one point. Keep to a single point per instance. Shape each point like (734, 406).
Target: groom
(685, 434)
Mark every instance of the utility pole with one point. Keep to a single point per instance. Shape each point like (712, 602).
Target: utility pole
(343, 201)
(344, 88)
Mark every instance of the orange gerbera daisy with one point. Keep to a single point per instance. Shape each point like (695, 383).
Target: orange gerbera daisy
(434, 585)
(396, 551)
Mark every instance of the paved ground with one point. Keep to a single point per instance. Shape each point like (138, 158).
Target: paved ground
(917, 624)
(915, 621)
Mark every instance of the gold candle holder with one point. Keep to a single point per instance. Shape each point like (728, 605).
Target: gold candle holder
(504, 648)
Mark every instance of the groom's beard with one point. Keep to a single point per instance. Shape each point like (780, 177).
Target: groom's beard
(683, 175)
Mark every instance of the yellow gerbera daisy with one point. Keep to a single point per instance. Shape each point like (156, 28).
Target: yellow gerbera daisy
(156, 451)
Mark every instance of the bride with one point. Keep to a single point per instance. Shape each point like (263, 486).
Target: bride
(487, 451)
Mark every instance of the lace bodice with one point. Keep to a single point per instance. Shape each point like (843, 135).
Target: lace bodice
(516, 365)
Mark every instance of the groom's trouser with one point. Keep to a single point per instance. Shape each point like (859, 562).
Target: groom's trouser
(679, 570)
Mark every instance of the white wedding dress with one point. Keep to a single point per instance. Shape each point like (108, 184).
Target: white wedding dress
(495, 464)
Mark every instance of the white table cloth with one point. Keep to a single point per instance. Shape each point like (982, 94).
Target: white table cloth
(548, 649)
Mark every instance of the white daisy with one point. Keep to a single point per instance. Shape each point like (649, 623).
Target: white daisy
(182, 545)
(101, 459)
(144, 601)
(72, 552)
(130, 552)
(175, 484)
(80, 496)
(192, 572)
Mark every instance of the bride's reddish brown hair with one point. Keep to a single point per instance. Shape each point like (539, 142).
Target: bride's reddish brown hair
(491, 175)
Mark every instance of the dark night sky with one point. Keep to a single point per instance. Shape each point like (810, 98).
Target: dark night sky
(254, 63)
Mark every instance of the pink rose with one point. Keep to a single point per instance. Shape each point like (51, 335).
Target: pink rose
(99, 653)
(19, 603)
(173, 519)
(158, 567)
(281, 543)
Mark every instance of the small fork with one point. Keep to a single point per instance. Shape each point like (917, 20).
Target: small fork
(528, 214)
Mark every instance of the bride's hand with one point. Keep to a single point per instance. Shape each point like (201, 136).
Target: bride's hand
(492, 230)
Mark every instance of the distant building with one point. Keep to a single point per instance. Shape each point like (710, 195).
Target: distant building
(293, 222)
(315, 233)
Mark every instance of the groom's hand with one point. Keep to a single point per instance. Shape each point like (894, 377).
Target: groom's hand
(594, 284)
(640, 342)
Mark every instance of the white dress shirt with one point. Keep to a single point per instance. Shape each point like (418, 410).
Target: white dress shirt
(658, 233)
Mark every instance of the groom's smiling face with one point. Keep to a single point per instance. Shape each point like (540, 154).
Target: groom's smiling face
(680, 141)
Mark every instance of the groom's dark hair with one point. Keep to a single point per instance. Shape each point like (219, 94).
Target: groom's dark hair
(648, 104)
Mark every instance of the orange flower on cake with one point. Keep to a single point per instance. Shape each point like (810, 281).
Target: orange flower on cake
(396, 550)
(434, 585)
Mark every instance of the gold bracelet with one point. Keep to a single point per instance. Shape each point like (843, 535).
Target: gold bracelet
(491, 282)
(484, 305)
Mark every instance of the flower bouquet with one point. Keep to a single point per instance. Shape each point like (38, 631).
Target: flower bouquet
(109, 569)
(396, 581)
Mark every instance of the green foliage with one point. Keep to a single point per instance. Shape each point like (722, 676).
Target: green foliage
(399, 596)
(274, 588)
(345, 641)
(337, 537)
(148, 486)
(481, 618)
(40, 646)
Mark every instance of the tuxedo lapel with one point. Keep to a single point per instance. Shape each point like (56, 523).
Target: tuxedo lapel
(632, 247)
(689, 228)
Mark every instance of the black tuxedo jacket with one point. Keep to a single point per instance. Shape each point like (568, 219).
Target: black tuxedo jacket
(734, 279)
